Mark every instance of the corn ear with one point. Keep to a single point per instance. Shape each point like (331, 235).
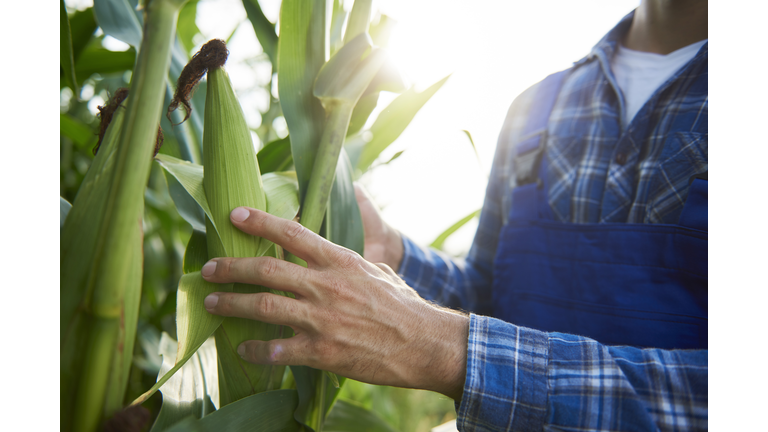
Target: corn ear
(89, 329)
(231, 179)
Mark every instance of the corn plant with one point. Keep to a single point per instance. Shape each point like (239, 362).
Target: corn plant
(325, 99)
(101, 243)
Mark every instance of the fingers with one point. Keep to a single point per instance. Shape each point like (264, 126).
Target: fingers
(266, 307)
(290, 235)
(291, 351)
(361, 195)
(266, 271)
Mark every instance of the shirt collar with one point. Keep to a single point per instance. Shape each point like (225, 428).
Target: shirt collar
(607, 45)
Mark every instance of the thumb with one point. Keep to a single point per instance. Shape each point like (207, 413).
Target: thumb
(373, 224)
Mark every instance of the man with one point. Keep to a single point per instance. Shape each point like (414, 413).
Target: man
(594, 223)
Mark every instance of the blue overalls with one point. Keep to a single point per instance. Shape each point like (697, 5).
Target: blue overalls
(621, 284)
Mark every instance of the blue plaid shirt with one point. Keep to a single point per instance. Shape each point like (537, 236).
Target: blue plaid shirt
(521, 379)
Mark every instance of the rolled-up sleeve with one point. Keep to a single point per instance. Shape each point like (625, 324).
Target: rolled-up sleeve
(520, 379)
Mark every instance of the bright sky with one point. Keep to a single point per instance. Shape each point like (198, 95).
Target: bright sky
(493, 49)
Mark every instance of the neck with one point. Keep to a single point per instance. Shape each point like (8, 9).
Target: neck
(664, 26)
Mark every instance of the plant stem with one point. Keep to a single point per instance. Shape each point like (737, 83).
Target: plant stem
(324, 169)
(123, 214)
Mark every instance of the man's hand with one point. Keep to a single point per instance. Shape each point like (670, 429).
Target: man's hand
(351, 317)
(383, 243)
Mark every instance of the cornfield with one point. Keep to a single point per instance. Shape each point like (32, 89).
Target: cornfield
(174, 157)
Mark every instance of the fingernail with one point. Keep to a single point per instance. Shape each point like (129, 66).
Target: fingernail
(241, 350)
(278, 349)
(209, 268)
(240, 214)
(211, 301)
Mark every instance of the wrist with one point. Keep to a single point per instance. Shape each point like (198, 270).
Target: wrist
(445, 353)
(394, 249)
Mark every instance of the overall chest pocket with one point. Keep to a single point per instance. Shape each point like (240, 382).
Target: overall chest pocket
(684, 155)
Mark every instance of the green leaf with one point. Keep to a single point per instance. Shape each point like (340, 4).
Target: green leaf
(118, 19)
(344, 225)
(188, 424)
(193, 390)
(345, 77)
(190, 176)
(438, 242)
(348, 416)
(337, 25)
(362, 111)
(194, 324)
(390, 124)
(264, 29)
(265, 412)
(388, 78)
(339, 85)
(314, 404)
(80, 133)
(395, 156)
(382, 30)
(282, 191)
(64, 207)
(474, 147)
(358, 20)
(184, 132)
(275, 156)
(187, 207)
(186, 27)
(196, 253)
(66, 55)
(301, 52)
(82, 25)
(232, 33)
(103, 61)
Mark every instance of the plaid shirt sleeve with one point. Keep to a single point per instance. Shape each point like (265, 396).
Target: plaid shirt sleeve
(520, 379)
(455, 283)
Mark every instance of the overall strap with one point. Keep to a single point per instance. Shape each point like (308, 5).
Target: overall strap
(529, 195)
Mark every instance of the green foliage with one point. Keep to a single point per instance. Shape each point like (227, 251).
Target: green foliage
(405, 410)
(349, 416)
(438, 242)
(300, 61)
(174, 215)
(389, 125)
(67, 55)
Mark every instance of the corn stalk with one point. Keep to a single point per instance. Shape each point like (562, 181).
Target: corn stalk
(101, 243)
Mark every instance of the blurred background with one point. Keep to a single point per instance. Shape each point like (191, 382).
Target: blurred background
(493, 51)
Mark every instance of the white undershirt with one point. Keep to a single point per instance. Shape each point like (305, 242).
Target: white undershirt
(639, 74)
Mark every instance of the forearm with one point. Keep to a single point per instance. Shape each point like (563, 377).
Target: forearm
(523, 379)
